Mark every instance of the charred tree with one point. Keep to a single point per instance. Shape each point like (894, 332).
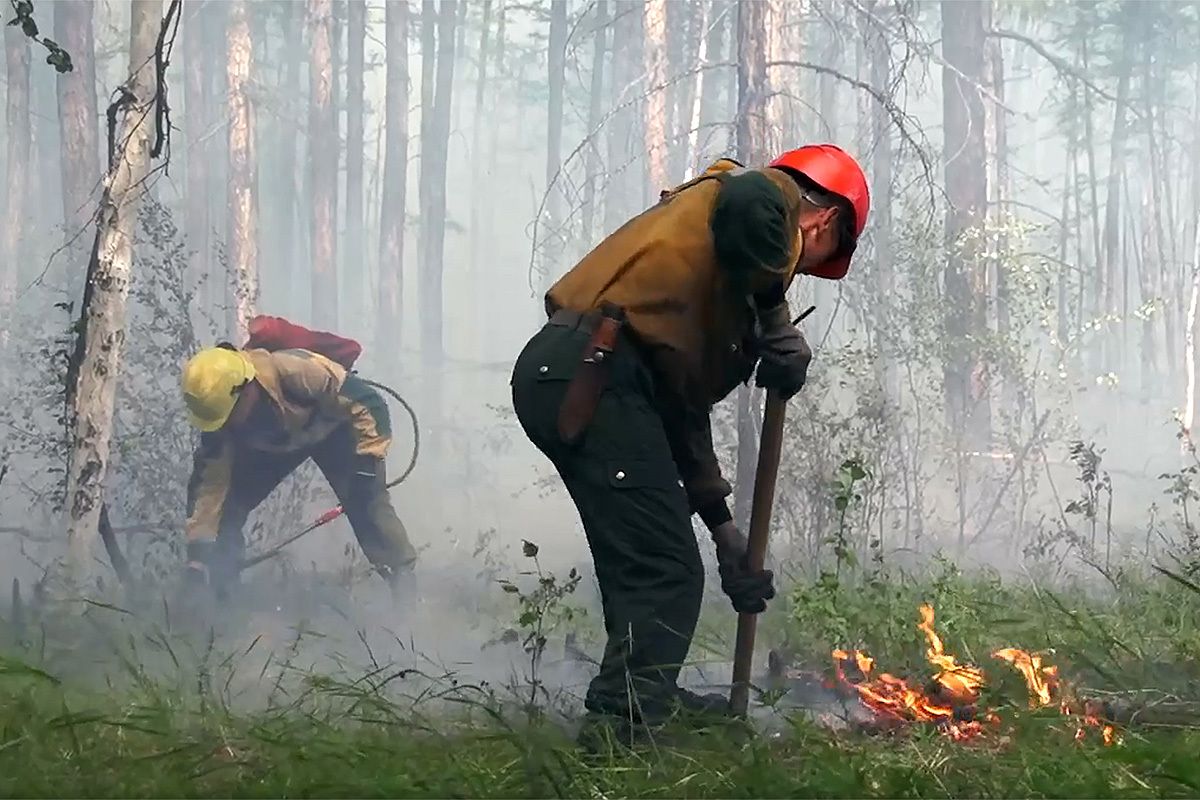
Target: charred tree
(16, 57)
(356, 228)
(243, 171)
(323, 159)
(77, 116)
(395, 182)
(102, 337)
(965, 374)
(750, 146)
(655, 130)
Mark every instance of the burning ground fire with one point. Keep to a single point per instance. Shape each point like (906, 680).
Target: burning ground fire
(950, 698)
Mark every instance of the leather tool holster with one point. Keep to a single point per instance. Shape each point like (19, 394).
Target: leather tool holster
(591, 376)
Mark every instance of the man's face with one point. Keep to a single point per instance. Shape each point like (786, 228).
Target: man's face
(819, 232)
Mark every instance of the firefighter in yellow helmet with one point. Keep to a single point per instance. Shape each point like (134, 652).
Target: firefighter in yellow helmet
(261, 414)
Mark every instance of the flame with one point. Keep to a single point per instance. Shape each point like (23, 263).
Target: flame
(1046, 689)
(949, 699)
(1042, 681)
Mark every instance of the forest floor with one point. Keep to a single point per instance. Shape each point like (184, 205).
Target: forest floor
(66, 730)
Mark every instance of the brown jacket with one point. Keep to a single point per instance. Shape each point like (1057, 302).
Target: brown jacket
(688, 272)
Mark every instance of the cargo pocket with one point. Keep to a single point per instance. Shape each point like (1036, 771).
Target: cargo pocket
(642, 473)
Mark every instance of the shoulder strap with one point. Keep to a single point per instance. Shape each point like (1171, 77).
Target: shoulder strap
(666, 194)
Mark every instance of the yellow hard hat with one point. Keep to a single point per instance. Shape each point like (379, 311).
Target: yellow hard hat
(211, 380)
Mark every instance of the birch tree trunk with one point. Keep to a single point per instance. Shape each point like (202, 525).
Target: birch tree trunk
(356, 284)
(243, 171)
(79, 144)
(1191, 404)
(16, 217)
(323, 160)
(655, 54)
(751, 148)
(103, 334)
(395, 187)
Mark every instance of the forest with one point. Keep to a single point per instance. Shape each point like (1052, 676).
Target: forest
(989, 485)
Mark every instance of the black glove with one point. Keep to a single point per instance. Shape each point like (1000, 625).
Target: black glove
(749, 591)
(784, 355)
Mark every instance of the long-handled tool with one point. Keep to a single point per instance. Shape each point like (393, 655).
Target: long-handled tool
(770, 447)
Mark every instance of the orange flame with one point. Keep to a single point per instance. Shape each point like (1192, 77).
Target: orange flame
(949, 699)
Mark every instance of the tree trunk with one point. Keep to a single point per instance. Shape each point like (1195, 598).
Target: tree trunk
(434, 153)
(655, 54)
(102, 338)
(1116, 169)
(357, 288)
(291, 147)
(1191, 405)
(963, 46)
(554, 230)
(879, 55)
(243, 171)
(77, 116)
(196, 121)
(702, 79)
(395, 189)
(711, 140)
(17, 210)
(322, 157)
(620, 126)
(751, 149)
(477, 126)
(592, 161)
(687, 89)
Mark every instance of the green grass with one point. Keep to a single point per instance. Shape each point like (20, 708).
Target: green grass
(345, 735)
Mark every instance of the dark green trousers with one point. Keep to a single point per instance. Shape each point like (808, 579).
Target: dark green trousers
(365, 498)
(624, 482)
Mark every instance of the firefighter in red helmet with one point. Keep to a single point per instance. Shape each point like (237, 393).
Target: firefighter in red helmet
(661, 320)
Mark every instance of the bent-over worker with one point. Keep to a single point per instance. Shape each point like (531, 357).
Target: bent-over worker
(261, 415)
(661, 320)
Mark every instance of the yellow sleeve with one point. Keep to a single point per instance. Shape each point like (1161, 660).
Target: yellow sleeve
(212, 469)
(369, 417)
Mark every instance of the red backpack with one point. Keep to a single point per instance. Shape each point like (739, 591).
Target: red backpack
(277, 333)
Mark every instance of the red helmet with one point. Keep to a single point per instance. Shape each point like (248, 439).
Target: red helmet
(835, 171)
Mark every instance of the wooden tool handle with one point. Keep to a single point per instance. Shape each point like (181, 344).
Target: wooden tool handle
(769, 448)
